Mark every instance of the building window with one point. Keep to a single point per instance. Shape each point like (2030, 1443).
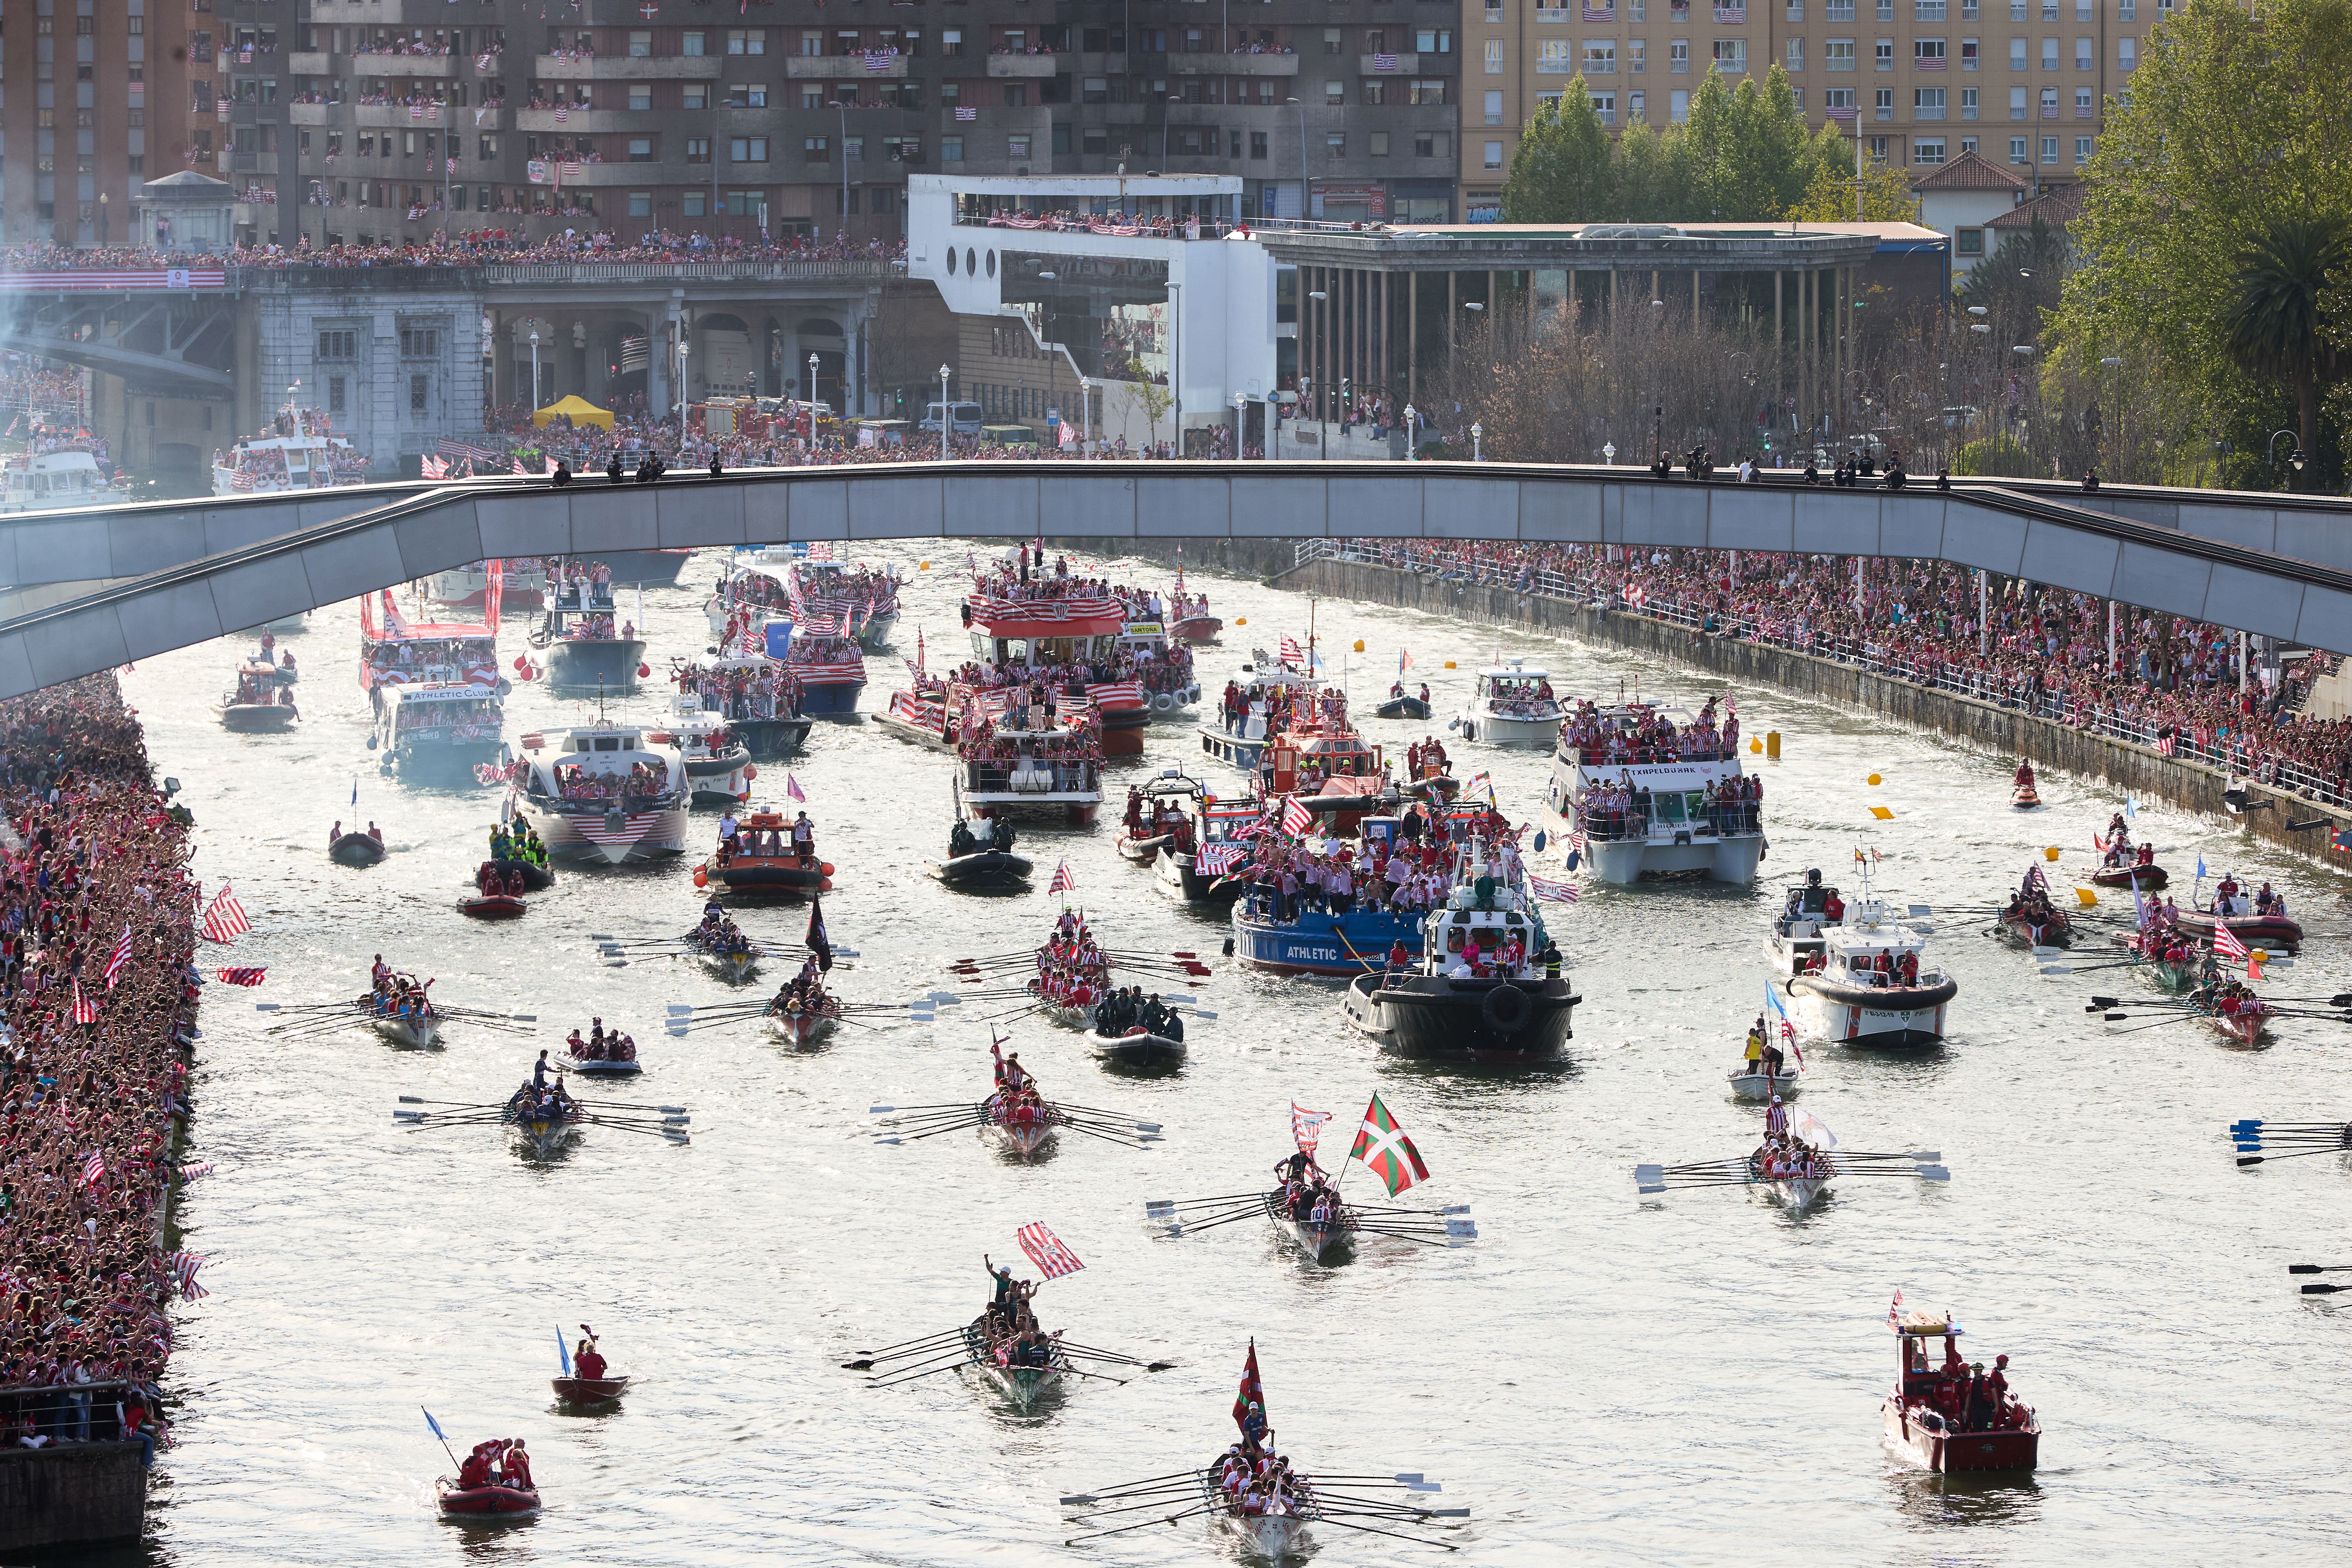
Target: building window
(692, 44)
(1094, 89)
(1377, 144)
(1601, 59)
(748, 148)
(1494, 57)
(697, 149)
(1927, 150)
(416, 385)
(1837, 55)
(1882, 54)
(1968, 242)
(1927, 54)
(1796, 56)
(1731, 56)
(641, 45)
(1429, 92)
(1927, 103)
(2017, 103)
(1967, 54)
(1838, 11)
(2126, 54)
(1678, 57)
(1637, 106)
(1335, 145)
(1968, 143)
(2017, 54)
(1493, 158)
(1838, 97)
(2017, 154)
(1886, 10)
(1637, 61)
(641, 149)
(1884, 105)
(747, 40)
(816, 150)
(339, 345)
(1018, 146)
(335, 394)
(747, 94)
(2082, 150)
(1258, 146)
(1968, 104)
(1678, 107)
(1494, 113)
(2050, 149)
(951, 152)
(2049, 103)
(1879, 146)
(1927, 10)
(2050, 54)
(420, 342)
(641, 204)
(852, 148)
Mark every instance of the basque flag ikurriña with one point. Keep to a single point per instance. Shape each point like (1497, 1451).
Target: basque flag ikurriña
(1384, 1150)
(1046, 1250)
(1249, 1405)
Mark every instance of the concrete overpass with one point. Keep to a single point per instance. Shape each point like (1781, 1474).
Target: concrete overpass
(180, 573)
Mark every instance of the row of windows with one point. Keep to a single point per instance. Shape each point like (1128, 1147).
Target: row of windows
(416, 343)
(1599, 56)
(1926, 103)
(1834, 10)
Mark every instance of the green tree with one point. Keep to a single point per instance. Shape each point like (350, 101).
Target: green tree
(2272, 325)
(2238, 120)
(1563, 170)
(1652, 183)
(1886, 197)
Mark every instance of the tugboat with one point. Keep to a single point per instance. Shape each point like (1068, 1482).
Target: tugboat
(602, 793)
(588, 650)
(433, 732)
(1639, 791)
(1511, 705)
(1480, 989)
(1953, 1418)
(718, 766)
(1317, 758)
(1860, 981)
(760, 860)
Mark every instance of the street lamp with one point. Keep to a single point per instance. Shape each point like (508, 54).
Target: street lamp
(943, 413)
(684, 348)
(811, 400)
(1609, 452)
(1319, 296)
(1411, 431)
(534, 367)
(2294, 457)
(1241, 423)
(1477, 430)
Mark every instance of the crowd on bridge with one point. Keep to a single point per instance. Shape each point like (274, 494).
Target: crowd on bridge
(497, 246)
(97, 934)
(2173, 683)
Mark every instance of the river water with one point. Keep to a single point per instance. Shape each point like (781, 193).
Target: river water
(1687, 1381)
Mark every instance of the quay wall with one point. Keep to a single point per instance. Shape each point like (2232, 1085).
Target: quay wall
(2005, 732)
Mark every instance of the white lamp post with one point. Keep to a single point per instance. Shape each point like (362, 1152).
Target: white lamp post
(1241, 423)
(1477, 430)
(809, 397)
(1411, 431)
(943, 411)
(534, 367)
(1608, 452)
(684, 393)
(1323, 424)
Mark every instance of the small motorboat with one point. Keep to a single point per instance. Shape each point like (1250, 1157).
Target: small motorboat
(492, 906)
(484, 1502)
(1760, 1086)
(2004, 1437)
(2024, 797)
(591, 1391)
(356, 850)
(263, 701)
(1401, 707)
(2275, 932)
(1139, 1048)
(2148, 879)
(988, 868)
(762, 862)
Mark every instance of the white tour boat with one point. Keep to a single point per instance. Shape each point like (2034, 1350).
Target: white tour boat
(1511, 705)
(437, 731)
(1848, 980)
(603, 793)
(62, 480)
(718, 766)
(263, 464)
(1670, 769)
(1240, 739)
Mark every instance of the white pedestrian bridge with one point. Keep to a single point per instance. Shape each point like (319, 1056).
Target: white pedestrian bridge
(99, 588)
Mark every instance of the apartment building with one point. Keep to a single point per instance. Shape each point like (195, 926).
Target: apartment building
(2022, 83)
(99, 97)
(403, 116)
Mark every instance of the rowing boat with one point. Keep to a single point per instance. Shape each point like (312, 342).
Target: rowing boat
(1329, 1243)
(735, 967)
(1024, 1387)
(802, 1029)
(585, 1391)
(1795, 1194)
(2244, 1026)
(1746, 1085)
(417, 1031)
(1024, 1133)
(1269, 1537)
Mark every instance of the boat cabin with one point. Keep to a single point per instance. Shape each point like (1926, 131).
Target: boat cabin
(1511, 690)
(600, 762)
(1852, 953)
(1917, 1371)
(760, 835)
(432, 651)
(65, 477)
(437, 713)
(1318, 760)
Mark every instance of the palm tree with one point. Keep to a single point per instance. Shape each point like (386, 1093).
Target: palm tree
(2272, 325)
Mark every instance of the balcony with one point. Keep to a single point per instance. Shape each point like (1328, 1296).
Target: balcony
(846, 67)
(384, 116)
(626, 67)
(575, 121)
(310, 62)
(1406, 65)
(310, 113)
(1233, 65)
(1022, 64)
(403, 67)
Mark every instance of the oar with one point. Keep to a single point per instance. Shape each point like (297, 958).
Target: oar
(1126, 1488)
(2245, 1160)
(924, 1340)
(2318, 1269)
(893, 1380)
(1122, 1529)
(1322, 1518)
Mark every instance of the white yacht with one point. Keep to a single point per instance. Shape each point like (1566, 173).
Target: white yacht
(1855, 974)
(1240, 739)
(718, 767)
(1510, 705)
(1671, 767)
(57, 480)
(603, 793)
(263, 464)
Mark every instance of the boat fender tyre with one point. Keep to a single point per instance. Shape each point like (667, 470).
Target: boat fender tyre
(1229, 947)
(1163, 703)
(1506, 1009)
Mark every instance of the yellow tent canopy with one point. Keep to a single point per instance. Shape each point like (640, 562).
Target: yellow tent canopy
(579, 410)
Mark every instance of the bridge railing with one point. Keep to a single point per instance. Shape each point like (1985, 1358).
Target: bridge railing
(2023, 694)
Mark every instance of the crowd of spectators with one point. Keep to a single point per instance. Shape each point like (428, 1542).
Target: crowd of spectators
(93, 861)
(33, 385)
(2172, 683)
(495, 246)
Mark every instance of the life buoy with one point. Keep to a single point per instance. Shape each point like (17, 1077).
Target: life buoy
(1161, 702)
(1506, 1009)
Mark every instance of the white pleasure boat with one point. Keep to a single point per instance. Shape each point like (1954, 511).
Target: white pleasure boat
(1510, 705)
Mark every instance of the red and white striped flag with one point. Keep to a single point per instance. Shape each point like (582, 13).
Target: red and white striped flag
(2226, 942)
(1064, 881)
(84, 1011)
(1290, 654)
(1046, 1250)
(121, 957)
(1551, 891)
(964, 113)
(1307, 1128)
(190, 1172)
(93, 1168)
(561, 112)
(1295, 818)
(520, 469)
(226, 917)
(240, 977)
(184, 1267)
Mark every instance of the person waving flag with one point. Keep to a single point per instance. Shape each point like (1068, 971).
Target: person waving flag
(2226, 942)
(225, 919)
(1382, 1149)
(84, 1011)
(1295, 818)
(1307, 1128)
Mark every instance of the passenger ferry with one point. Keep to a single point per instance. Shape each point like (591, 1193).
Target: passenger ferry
(1042, 770)
(1511, 705)
(264, 464)
(765, 712)
(1032, 636)
(59, 479)
(1673, 762)
(1313, 941)
(603, 793)
(589, 648)
(436, 731)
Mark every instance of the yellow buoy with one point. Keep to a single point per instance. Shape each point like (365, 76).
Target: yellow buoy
(2088, 897)
(1754, 744)
(1360, 645)
(1881, 813)
(1873, 779)
(1772, 744)
(2049, 852)
(924, 567)
(1449, 664)
(1241, 620)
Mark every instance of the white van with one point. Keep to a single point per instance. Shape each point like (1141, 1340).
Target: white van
(964, 418)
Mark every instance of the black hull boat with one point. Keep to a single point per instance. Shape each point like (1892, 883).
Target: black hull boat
(1402, 708)
(1137, 1049)
(768, 739)
(593, 665)
(356, 850)
(988, 868)
(1432, 1014)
